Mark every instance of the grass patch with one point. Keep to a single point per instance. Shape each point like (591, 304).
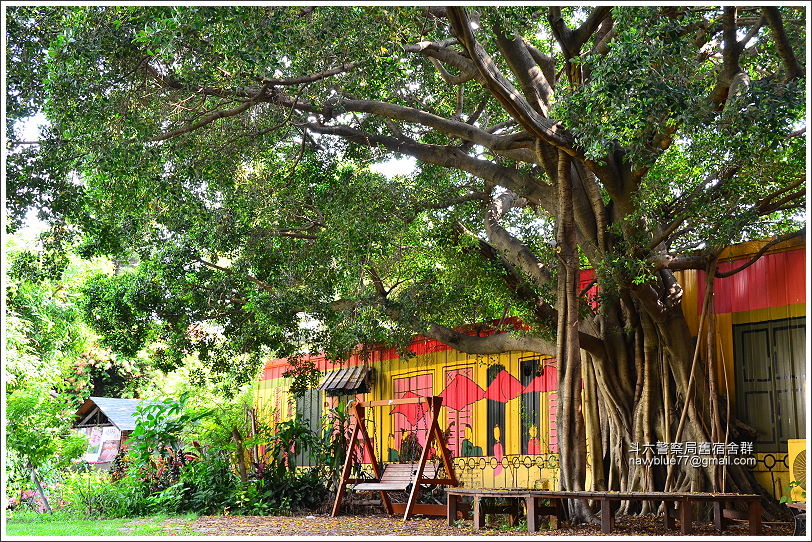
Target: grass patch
(27, 524)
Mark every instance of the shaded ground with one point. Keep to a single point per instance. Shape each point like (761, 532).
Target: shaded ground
(369, 525)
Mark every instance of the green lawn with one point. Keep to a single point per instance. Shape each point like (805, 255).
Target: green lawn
(30, 524)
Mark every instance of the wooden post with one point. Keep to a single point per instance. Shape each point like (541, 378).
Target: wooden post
(606, 516)
(754, 516)
(436, 403)
(685, 516)
(479, 516)
(360, 420)
(424, 455)
(451, 505)
(532, 513)
(345, 473)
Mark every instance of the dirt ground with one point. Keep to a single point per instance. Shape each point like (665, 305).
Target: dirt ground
(371, 525)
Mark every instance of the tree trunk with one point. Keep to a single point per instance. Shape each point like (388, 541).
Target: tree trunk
(570, 416)
(36, 482)
(240, 451)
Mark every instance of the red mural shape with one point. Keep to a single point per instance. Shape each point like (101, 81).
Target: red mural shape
(546, 381)
(461, 392)
(413, 412)
(504, 388)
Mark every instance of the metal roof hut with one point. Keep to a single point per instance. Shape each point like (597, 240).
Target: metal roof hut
(107, 422)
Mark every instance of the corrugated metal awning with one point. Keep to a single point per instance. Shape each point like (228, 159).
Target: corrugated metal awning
(346, 380)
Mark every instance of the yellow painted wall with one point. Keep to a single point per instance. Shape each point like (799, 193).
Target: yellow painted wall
(519, 470)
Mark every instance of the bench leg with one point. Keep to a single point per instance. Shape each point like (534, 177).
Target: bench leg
(532, 514)
(668, 516)
(479, 517)
(451, 504)
(559, 512)
(754, 515)
(513, 515)
(719, 520)
(606, 516)
(685, 517)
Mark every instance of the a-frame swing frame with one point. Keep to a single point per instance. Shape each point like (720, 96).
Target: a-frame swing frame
(434, 434)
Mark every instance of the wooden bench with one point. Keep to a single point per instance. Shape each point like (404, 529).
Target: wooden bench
(533, 509)
(398, 477)
(402, 477)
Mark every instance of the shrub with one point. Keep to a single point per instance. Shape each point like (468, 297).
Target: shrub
(210, 483)
(95, 494)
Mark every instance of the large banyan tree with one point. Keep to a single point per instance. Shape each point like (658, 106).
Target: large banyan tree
(227, 156)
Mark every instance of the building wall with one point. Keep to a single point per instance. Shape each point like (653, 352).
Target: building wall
(499, 410)
(771, 290)
(483, 422)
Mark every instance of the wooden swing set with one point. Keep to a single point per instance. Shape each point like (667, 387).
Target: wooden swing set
(399, 476)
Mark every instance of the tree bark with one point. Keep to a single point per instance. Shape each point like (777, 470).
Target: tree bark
(38, 485)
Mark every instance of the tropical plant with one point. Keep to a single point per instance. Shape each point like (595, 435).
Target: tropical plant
(790, 489)
(157, 452)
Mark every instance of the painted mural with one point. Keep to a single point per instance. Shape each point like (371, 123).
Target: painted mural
(103, 443)
(498, 411)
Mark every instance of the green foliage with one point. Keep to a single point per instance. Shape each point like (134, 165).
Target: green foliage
(335, 440)
(39, 438)
(209, 483)
(107, 300)
(257, 234)
(95, 494)
(49, 342)
(38, 429)
(789, 489)
(646, 81)
(157, 451)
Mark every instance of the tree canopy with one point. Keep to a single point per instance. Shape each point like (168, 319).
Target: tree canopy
(227, 153)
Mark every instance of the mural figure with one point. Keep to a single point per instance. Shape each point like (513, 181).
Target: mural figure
(533, 445)
(392, 453)
(468, 449)
(498, 450)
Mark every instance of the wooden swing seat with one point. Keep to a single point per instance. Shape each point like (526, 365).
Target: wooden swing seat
(400, 477)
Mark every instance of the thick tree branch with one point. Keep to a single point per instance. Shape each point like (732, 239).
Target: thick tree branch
(441, 52)
(454, 128)
(504, 91)
(731, 52)
(545, 63)
(760, 253)
(511, 248)
(770, 204)
(571, 40)
(791, 64)
(537, 90)
(512, 179)
(498, 343)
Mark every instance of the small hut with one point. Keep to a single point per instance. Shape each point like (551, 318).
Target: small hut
(107, 422)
